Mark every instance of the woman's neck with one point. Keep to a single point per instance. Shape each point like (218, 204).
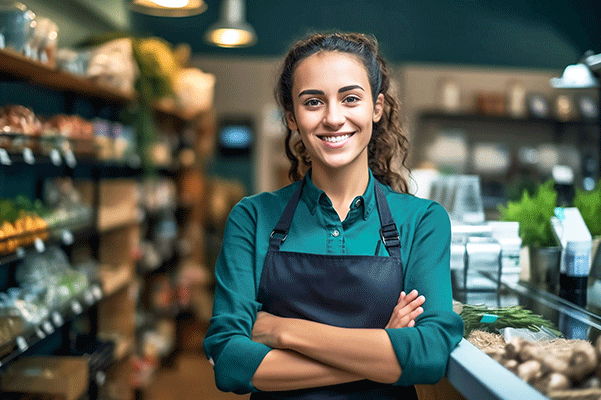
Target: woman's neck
(341, 185)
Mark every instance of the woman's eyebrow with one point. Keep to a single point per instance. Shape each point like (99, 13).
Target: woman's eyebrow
(350, 87)
(310, 91)
(320, 92)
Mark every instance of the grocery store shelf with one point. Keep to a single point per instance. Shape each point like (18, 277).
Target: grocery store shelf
(57, 318)
(39, 240)
(476, 117)
(19, 66)
(114, 280)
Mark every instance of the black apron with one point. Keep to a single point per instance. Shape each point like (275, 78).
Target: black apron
(340, 290)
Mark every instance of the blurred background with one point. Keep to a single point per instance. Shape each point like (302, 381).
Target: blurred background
(128, 130)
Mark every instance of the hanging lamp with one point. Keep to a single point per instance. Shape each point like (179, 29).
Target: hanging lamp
(231, 30)
(168, 8)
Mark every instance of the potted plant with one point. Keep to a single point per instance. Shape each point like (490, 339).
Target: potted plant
(589, 205)
(541, 250)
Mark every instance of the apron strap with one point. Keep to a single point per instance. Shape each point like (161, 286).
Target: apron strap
(280, 232)
(389, 232)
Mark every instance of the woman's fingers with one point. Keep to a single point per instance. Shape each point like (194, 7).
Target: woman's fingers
(407, 309)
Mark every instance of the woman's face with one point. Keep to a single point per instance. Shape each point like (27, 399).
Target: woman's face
(334, 109)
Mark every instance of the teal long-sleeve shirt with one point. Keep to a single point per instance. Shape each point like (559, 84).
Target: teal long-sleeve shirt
(425, 233)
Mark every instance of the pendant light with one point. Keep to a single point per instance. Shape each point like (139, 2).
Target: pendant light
(168, 8)
(231, 30)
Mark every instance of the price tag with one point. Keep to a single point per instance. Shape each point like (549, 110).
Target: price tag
(97, 292)
(88, 297)
(20, 252)
(68, 238)
(28, 156)
(21, 343)
(76, 307)
(4, 158)
(39, 245)
(48, 328)
(39, 333)
(70, 159)
(55, 157)
(57, 319)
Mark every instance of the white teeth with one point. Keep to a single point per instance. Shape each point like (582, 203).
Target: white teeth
(335, 139)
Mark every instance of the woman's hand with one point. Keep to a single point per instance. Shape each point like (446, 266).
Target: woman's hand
(407, 309)
(268, 329)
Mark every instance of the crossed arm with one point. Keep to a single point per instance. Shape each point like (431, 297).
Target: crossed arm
(309, 354)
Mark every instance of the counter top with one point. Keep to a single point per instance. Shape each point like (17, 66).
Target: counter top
(477, 376)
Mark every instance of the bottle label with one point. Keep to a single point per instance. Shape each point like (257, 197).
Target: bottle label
(576, 264)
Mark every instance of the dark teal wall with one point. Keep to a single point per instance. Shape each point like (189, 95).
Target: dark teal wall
(527, 33)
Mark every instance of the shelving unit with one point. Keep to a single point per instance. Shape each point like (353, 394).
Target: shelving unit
(109, 306)
(512, 134)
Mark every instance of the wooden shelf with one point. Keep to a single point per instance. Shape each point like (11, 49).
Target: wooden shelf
(18, 66)
(476, 117)
(114, 280)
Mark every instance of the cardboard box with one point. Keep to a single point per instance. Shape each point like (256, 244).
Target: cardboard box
(66, 377)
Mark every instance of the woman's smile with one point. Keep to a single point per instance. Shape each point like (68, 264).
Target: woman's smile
(336, 139)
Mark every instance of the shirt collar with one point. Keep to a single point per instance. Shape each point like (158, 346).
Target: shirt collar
(313, 195)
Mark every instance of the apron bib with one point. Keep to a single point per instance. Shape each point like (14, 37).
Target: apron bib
(347, 291)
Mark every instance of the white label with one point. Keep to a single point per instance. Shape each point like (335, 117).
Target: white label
(57, 319)
(68, 238)
(39, 245)
(70, 159)
(4, 158)
(88, 297)
(76, 307)
(576, 264)
(48, 328)
(28, 156)
(20, 252)
(97, 292)
(39, 332)
(55, 157)
(21, 343)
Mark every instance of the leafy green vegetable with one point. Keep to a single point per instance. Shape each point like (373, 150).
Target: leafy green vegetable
(514, 317)
(589, 205)
(534, 215)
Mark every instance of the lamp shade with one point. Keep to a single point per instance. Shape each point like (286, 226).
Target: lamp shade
(577, 76)
(168, 8)
(231, 30)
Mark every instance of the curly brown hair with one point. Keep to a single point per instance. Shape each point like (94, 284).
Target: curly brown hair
(388, 145)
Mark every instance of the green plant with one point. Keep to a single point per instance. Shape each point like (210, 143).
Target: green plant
(534, 215)
(589, 205)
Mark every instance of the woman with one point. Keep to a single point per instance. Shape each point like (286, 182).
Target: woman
(310, 299)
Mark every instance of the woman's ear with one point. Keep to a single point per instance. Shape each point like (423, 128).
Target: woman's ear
(291, 121)
(378, 107)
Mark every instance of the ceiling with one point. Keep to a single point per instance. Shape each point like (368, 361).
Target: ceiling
(529, 33)
(521, 33)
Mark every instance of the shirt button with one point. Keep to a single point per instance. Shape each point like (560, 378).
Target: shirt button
(336, 233)
(357, 202)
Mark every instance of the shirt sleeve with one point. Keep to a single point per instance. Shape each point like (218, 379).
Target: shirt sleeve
(423, 351)
(227, 342)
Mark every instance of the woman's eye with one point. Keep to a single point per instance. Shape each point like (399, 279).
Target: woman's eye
(312, 103)
(351, 99)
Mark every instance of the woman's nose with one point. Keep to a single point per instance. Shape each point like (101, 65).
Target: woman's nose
(334, 116)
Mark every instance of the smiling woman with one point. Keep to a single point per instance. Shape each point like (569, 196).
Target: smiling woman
(338, 285)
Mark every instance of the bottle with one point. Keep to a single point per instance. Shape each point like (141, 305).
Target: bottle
(576, 243)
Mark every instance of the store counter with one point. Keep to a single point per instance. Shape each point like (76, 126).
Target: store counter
(477, 376)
